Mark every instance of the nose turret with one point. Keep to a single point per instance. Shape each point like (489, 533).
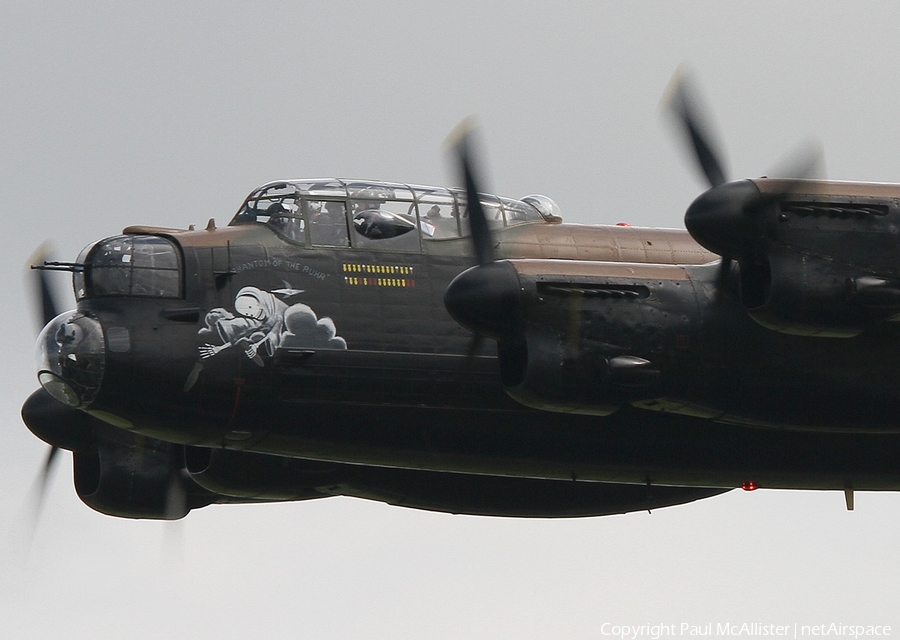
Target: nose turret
(71, 358)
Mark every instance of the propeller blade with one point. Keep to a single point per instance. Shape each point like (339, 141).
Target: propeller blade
(804, 162)
(481, 234)
(681, 100)
(48, 310)
(44, 474)
(24, 531)
(173, 535)
(727, 219)
(43, 296)
(479, 287)
(48, 306)
(39, 491)
(807, 162)
(176, 498)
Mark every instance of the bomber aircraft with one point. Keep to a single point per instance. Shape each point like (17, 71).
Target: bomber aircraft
(451, 350)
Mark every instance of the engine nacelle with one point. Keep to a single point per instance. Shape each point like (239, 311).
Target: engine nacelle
(131, 481)
(58, 424)
(816, 258)
(591, 345)
(803, 294)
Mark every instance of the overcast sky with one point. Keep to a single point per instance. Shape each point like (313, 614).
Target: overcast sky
(169, 113)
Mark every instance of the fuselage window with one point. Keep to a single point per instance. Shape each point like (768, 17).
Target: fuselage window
(146, 266)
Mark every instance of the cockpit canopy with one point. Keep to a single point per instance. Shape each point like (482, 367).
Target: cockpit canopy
(383, 215)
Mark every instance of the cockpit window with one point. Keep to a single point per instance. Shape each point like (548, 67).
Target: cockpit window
(438, 213)
(279, 207)
(493, 211)
(327, 223)
(285, 217)
(261, 204)
(131, 265)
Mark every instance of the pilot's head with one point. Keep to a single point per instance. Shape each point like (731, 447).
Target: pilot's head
(372, 197)
(276, 209)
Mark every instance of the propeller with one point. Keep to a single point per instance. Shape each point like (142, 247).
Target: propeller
(482, 242)
(176, 509)
(35, 501)
(682, 100)
(484, 297)
(726, 219)
(44, 299)
(44, 473)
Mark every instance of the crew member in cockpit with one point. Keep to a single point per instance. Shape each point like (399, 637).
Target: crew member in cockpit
(328, 226)
(280, 218)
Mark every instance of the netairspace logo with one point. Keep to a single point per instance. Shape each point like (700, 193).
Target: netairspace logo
(743, 630)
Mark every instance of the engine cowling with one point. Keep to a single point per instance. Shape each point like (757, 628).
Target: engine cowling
(58, 424)
(584, 337)
(802, 294)
(132, 481)
(815, 258)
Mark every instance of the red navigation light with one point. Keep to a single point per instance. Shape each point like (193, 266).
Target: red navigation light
(748, 485)
(622, 224)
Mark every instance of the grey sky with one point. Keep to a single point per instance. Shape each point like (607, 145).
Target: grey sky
(169, 113)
